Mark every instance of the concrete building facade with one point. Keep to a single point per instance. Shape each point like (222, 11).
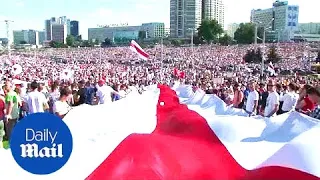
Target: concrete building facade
(285, 20)
(59, 32)
(63, 20)
(154, 30)
(309, 28)
(27, 36)
(185, 17)
(213, 9)
(74, 28)
(109, 32)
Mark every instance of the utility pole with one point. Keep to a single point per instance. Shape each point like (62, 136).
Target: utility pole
(255, 34)
(8, 36)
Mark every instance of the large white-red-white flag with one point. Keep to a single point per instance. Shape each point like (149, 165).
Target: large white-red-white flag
(154, 136)
(134, 46)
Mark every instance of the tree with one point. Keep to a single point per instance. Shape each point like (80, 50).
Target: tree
(107, 42)
(70, 40)
(245, 33)
(253, 56)
(96, 42)
(23, 42)
(56, 44)
(318, 58)
(142, 35)
(176, 42)
(196, 40)
(85, 43)
(209, 30)
(273, 56)
(225, 40)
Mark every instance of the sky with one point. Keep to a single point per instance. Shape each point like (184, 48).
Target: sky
(31, 14)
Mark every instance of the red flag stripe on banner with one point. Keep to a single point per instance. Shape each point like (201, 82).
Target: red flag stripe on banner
(136, 48)
(182, 146)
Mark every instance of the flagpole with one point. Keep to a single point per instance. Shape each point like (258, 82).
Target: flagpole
(100, 56)
(161, 48)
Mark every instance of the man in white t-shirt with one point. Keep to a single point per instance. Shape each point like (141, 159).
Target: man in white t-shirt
(252, 100)
(36, 101)
(104, 93)
(272, 101)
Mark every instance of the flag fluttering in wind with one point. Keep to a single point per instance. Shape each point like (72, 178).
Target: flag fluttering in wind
(154, 136)
(271, 69)
(178, 73)
(134, 46)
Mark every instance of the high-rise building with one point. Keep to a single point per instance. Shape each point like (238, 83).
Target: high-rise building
(48, 29)
(185, 17)
(213, 9)
(41, 37)
(232, 28)
(285, 19)
(59, 32)
(74, 28)
(63, 20)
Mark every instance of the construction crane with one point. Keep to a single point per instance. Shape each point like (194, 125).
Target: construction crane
(8, 35)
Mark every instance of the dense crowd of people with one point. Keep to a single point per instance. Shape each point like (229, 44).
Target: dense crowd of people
(55, 80)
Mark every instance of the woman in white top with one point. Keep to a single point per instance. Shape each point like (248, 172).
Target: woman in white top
(61, 107)
(290, 99)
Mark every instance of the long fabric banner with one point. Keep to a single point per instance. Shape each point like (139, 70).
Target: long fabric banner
(179, 134)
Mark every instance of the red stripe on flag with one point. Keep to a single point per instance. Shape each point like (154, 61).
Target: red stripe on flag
(182, 146)
(139, 50)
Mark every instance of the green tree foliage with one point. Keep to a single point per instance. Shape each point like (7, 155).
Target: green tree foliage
(70, 40)
(318, 57)
(23, 42)
(176, 42)
(142, 35)
(245, 33)
(55, 44)
(107, 42)
(209, 30)
(197, 40)
(86, 43)
(225, 40)
(96, 42)
(273, 56)
(253, 56)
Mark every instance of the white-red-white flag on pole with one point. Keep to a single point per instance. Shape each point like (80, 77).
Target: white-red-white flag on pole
(271, 69)
(134, 46)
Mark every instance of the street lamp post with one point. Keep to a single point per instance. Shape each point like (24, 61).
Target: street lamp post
(161, 49)
(263, 43)
(255, 34)
(192, 34)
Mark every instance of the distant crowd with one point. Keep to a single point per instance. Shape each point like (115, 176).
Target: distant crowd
(55, 80)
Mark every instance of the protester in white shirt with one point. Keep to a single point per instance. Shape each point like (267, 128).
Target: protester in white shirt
(252, 100)
(272, 101)
(290, 99)
(104, 93)
(35, 100)
(61, 107)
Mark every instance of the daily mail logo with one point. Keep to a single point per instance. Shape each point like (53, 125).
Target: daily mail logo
(33, 150)
(41, 143)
